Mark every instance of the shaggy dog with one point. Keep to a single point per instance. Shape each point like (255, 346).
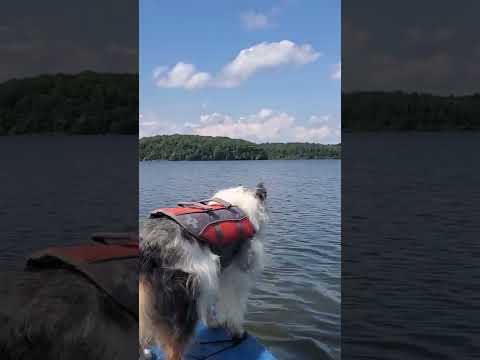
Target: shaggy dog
(182, 280)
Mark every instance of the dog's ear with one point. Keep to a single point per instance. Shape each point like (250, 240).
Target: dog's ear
(261, 192)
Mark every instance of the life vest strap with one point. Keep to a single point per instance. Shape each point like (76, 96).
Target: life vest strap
(198, 205)
(220, 201)
(85, 253)
(202, 204)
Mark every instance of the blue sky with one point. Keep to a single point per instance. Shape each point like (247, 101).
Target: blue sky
(265, 71)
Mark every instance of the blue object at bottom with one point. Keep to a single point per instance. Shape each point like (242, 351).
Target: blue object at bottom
(216, 344)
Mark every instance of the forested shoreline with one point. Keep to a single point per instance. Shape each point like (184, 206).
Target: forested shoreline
(85, 103)
(102, 103)
(195, 148)
(377, 111)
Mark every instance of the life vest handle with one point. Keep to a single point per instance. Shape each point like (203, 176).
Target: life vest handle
(220, 201)
(194, 205)
(201, 204)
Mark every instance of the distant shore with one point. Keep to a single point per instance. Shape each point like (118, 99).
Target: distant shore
(207, 148)
(87, 103)
(400, 111)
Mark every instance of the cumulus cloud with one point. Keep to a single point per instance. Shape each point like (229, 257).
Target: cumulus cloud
(263, 56)
(150, 125)
(268, 125)
(259, 57)
(321, 119)
(337, 72)
(181, 75)
(254, 20)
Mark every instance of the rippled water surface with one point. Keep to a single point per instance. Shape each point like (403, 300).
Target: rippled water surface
(58, 190)
(411, 247)
(295, 308)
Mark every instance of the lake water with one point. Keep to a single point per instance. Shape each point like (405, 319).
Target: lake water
(58, 190)
(295, 308)
(410, 245)
(410, 233)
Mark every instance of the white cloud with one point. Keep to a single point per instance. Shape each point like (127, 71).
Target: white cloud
(181, 75)
(159, 70)
(255, 20)
(150, 125)
(337, 72)
(268, 125)
(249, 61)
(314, 134)
(322, 119)
(263, 56)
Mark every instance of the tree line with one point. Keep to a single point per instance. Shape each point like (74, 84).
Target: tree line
(85, 103)
(409, 111)
(195, 147)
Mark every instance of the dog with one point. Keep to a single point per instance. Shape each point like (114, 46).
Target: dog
(183, 280)
(55, 313)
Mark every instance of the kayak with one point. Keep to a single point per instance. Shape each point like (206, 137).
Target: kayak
(217, 344)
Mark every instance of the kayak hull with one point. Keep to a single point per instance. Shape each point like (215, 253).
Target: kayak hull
(216, 344)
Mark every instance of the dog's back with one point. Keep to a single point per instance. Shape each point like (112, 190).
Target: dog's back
(57, 314)
(172, 311)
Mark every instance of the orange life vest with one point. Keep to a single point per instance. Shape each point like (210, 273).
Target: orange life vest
(222, 226)
(216, 224)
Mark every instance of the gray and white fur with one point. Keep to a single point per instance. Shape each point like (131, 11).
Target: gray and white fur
(181, 279)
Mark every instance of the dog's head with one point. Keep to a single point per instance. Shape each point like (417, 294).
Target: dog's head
(251, 201)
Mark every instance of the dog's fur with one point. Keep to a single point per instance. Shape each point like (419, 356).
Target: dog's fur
(181, 280)
(57, 314)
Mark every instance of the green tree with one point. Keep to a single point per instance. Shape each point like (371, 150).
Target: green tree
(86, 103)
(193, 147)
